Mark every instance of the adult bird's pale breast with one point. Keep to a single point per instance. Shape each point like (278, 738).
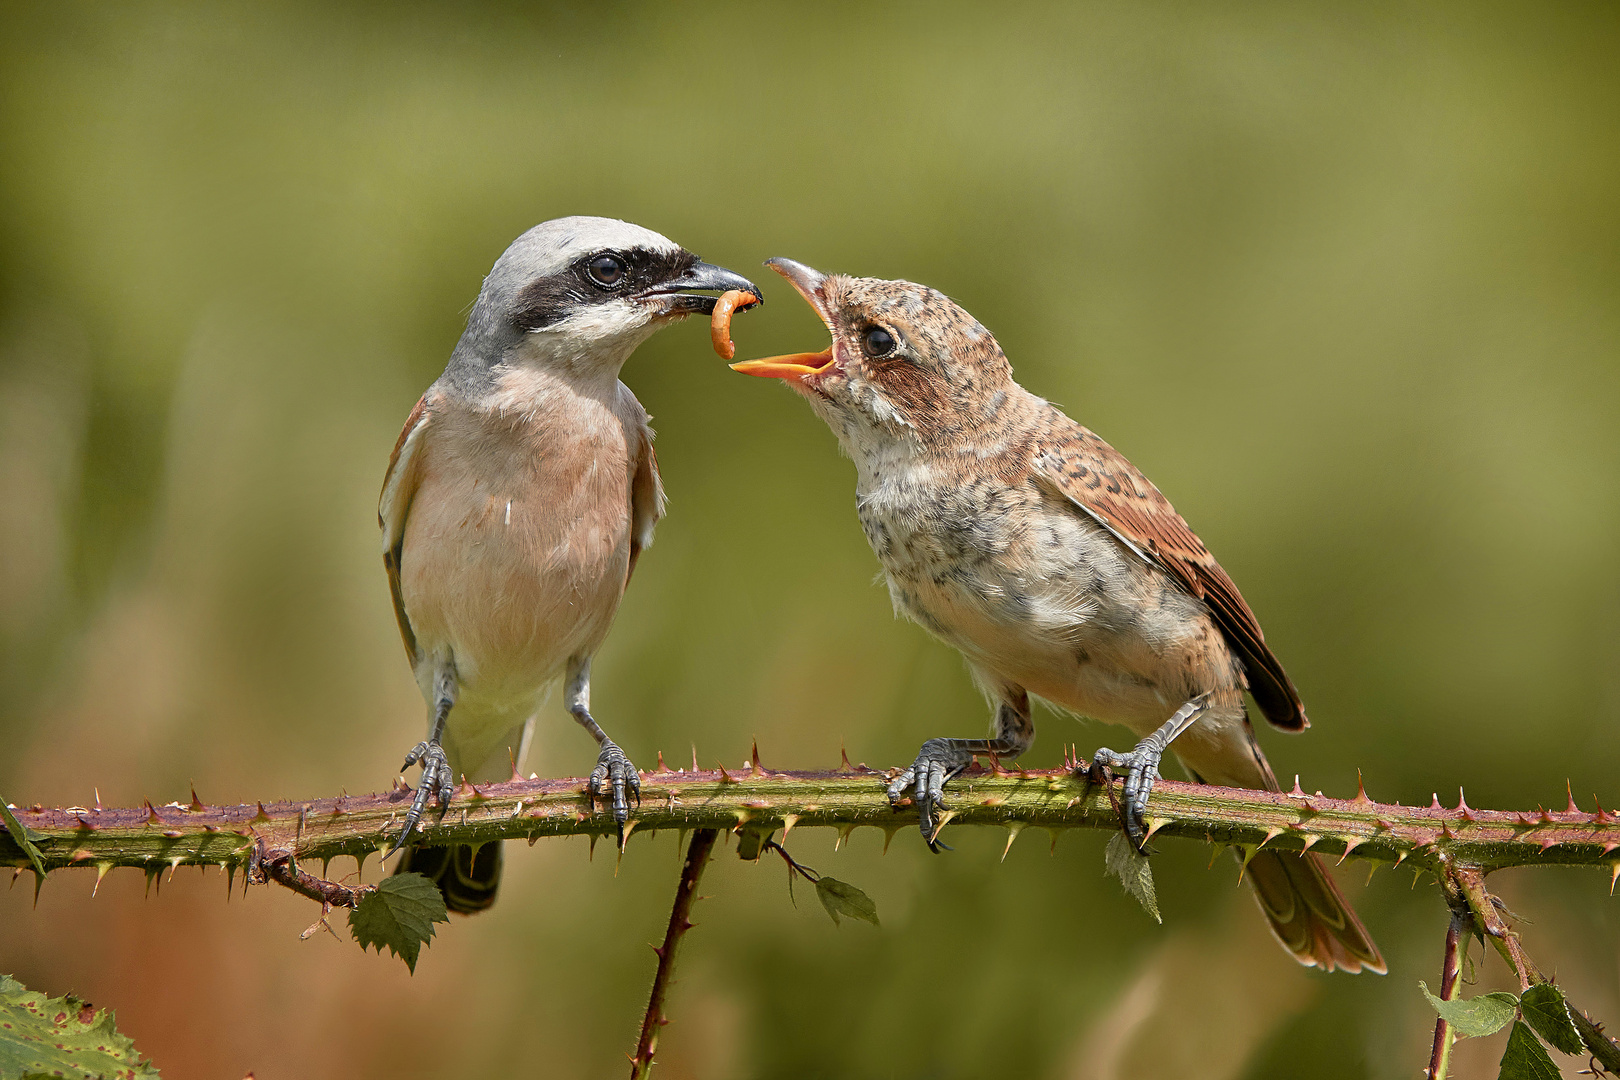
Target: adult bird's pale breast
(514, 612)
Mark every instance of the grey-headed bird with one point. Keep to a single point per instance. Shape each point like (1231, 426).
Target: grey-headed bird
(521, 492)
(1019, 537)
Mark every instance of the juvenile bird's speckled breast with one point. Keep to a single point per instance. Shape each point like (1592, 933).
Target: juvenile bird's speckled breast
(1033, 592)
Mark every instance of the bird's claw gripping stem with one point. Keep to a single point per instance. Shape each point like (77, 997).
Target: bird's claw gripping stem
(438, 785)
(614, 777)
(939, 761)
(1141, 768)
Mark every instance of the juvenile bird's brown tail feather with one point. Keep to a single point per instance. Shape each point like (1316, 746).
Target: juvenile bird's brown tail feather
(467, 876)
(1304, 907)
(1309, 915)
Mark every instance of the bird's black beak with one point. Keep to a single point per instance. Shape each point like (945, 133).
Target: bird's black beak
(675, 300)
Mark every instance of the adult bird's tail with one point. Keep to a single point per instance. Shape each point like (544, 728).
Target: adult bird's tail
(468, 876)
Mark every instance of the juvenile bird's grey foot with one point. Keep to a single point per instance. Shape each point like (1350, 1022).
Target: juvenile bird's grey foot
(438, 785)
(616, 778)
(1141, 767)
(939, 762)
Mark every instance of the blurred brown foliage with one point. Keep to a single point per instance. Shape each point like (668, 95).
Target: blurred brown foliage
(1344, 280)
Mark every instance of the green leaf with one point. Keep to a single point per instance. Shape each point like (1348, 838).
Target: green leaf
(1131, 867)
(1483, 1015)
(24, 837)
(1525, 1057)
(842, 898)
(400, 915)
(41, 1036)
(1544, 1008)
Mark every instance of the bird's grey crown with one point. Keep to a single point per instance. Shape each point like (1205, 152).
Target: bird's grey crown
(534, 283)
(552, 246)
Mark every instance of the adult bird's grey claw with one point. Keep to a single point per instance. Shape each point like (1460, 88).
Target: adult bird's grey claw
(616, 778)
(939, 762)
(437, 785)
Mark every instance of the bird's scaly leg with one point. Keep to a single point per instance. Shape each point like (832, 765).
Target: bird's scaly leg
(1141, 766)
(438, 783)
(941, 760)
(614, 775)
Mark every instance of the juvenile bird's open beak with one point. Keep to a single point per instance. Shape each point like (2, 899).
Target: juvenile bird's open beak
(675, 301)
(809, 283)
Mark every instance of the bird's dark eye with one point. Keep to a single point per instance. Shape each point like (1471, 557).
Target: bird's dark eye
(877, 341)
(606, 270)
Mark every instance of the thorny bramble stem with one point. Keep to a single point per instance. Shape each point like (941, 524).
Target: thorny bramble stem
(697, 857)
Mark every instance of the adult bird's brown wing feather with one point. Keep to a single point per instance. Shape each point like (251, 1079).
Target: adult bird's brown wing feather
(399, 487)
(1101, 482)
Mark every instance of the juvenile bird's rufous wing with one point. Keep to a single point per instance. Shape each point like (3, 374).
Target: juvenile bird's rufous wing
(394, 505)
(1098, 480)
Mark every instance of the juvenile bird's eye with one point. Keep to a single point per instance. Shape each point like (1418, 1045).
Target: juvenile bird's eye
(606, 270)
(877, 341)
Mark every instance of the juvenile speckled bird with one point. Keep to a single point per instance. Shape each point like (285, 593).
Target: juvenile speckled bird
(519, 496)
(1019, 537)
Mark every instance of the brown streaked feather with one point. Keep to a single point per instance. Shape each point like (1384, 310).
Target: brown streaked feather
(1100, 481)
(393, 506)
(646, 501)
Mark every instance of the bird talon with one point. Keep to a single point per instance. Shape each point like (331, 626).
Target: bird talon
(614, 778)
(1140, 769)
(436, 786)
(938, 762)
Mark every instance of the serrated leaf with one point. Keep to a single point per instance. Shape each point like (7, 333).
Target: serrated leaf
(41, 1036)
(23, 837)
(1483, 1015)
(842, 898)
(400, 915)
(1134, 872)
(1545, 1010)
(1525, 1058)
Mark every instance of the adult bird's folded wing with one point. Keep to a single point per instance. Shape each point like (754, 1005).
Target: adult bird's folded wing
(393, 506)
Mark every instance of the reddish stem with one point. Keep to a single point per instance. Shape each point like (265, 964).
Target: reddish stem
(1450, 968)
(697, 857)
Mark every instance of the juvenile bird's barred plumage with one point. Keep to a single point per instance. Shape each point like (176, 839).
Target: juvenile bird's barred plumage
(1028, 543)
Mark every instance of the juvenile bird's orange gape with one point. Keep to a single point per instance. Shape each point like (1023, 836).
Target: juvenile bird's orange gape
(1014, 534)
(519, 496)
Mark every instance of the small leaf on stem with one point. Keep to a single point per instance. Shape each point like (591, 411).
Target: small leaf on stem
(399, 914)
(1525, 1057)
(842, 898)
(1132, 868)
(1474, 1017)
(1545, 1010)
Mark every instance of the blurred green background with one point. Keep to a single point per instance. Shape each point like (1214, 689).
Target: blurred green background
(1342, 280)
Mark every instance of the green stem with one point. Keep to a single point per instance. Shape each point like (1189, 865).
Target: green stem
(322, 829)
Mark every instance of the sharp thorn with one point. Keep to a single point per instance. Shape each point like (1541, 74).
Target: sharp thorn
(1013, 829)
